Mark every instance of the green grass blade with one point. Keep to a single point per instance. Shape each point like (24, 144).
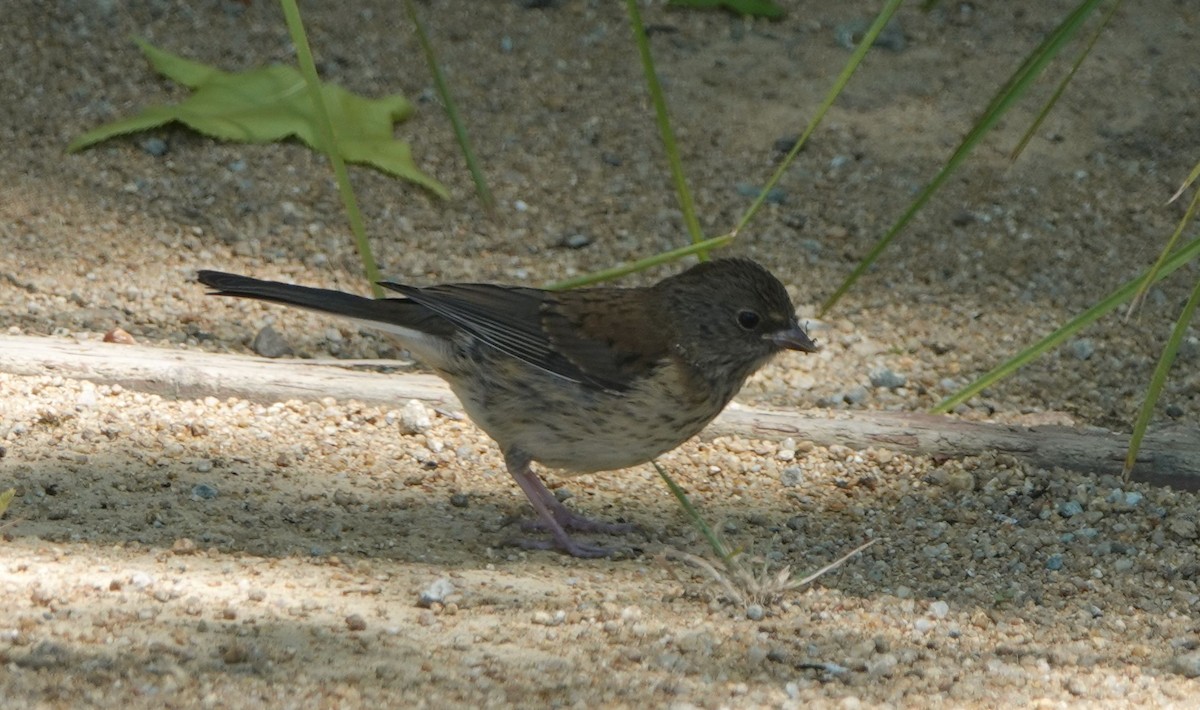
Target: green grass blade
(460, 131)
(1186, 254)
(642, 264)
(852, 65)
(719, 547)
(1151, 275)
(663, 119)
(1159, 378)
(1008, 95)
(308, 69)
(1062, 86)
(745, 8)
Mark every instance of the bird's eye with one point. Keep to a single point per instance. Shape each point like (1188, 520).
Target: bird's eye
(748, 320)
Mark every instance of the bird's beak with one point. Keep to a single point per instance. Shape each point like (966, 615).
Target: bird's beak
(793, 338)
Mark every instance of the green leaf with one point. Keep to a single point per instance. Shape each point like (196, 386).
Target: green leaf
(753, 8)
(270, 104)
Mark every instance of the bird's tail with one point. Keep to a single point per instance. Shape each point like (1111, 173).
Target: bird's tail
(392, 314)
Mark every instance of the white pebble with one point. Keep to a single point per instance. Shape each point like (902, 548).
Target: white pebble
(414, 418)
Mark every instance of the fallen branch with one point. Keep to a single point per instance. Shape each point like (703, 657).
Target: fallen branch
(1166, 458)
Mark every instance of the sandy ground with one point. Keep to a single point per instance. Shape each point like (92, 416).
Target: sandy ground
(324, 553)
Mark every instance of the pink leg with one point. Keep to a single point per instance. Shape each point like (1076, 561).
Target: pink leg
(551, 512)
(569, 519)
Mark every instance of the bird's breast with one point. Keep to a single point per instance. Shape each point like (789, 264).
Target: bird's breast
(579, 428)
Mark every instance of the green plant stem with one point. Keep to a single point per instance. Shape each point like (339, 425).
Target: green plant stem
(308, 69)
(460, 131)
(642, 264)
(718, 546)
(664, 126)
(1062, 85)
(1185, 254)
(1013, 89)
(852, 65)
(1166, 251)
(1159, 379)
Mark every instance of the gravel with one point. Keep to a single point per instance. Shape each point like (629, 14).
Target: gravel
(224, 553)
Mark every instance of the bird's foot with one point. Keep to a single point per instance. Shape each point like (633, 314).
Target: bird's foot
(556, 518)
(567, 545)
(570, 520)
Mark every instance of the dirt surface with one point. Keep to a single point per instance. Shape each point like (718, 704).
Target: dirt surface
(327, 553)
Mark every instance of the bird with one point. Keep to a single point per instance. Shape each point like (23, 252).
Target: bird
(581, 381)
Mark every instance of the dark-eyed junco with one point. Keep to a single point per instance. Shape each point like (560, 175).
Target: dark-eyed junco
(586, 380)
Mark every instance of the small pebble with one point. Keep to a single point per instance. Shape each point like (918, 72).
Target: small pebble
(1187, 664)
(204, 491)
(576, 241)
(886, 379)
(154, 146)
(415, 417)
(792, 476)
(269, 343)
(858, 395)
(87, 396)
(355, 622)
(775, 196)
(235, 654)
(545, 618)
(1069, 508)
(849, 34)
(119, 336)
(460, 500)
(1183, 527)
(784, 144)
(883, 666)
(1082, 348)
(755, 612)
(436, 593)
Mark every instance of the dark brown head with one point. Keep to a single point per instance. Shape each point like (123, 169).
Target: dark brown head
(730, 317)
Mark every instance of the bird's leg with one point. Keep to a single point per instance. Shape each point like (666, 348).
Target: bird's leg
(571, 520)
(536, 492)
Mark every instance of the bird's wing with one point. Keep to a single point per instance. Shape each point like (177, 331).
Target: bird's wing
(614, 335)
(583, 336)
